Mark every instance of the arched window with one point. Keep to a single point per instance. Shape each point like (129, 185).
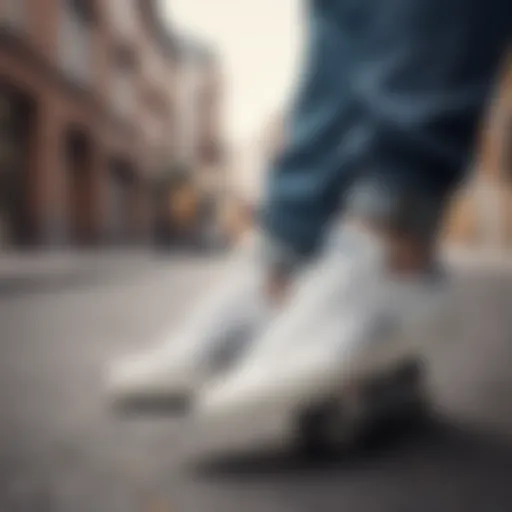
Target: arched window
(77, 18)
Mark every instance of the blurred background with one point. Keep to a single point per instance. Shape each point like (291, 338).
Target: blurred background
(111, 126)
(133, 142)
(129, 123)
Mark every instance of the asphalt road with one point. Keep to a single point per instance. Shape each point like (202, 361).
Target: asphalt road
(60, 449)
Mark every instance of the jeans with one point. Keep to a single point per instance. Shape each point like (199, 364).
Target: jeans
(384, 120)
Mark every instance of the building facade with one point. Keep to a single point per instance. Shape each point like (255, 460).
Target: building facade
(86, 118)
(481, 213)
(198, 87)
(190, 208)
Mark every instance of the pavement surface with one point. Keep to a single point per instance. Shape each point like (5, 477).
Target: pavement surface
(61, 449)
(47, 270)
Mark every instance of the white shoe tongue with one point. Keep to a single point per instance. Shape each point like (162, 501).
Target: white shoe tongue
(350, 242)
(350, 267)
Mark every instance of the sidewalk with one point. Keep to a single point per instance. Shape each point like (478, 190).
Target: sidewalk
(470, 257)
(47, 269)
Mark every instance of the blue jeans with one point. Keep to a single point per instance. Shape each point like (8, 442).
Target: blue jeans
(386, 113)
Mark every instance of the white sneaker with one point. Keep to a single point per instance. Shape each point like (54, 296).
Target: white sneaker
(348, 323)
(212, 337)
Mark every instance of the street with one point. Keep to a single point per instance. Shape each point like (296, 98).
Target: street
(62, 451)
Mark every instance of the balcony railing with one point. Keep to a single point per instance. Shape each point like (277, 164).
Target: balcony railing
(75, 47)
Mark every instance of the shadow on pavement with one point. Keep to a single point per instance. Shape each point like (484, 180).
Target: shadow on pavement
(434, 447)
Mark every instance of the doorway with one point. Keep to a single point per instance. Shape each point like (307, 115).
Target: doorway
(121, 201)
(80, 179)
(17, 133)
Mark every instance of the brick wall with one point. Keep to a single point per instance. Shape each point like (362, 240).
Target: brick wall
(35, 60)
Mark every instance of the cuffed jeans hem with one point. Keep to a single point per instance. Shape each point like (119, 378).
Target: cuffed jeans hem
(277, 256)
(406, 209)
(288, 240)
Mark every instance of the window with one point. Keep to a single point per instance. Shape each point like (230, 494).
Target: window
(14, 13)
(154, 69)
(152, 130)
(123, 15)
(123, 91)
(75, 39)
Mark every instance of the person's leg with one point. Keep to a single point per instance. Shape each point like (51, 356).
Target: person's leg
(385, 121)
(428, 68)
(424, 73)
(303, 185)
(229, 318)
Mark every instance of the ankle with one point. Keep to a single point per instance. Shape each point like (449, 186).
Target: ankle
(407, 255)
(277, 286)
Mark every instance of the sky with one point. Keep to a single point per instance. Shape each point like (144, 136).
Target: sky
(258, 42)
